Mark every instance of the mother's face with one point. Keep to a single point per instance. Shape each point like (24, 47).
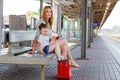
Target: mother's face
(48, 13)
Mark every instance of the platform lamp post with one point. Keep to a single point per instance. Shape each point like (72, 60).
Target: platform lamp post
(83, 41)
(1, 21)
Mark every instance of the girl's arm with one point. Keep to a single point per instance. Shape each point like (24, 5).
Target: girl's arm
(41, 48)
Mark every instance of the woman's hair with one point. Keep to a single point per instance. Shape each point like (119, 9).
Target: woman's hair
(50, 21)
(42, 25)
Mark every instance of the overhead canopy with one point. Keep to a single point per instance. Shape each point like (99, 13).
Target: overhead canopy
(101, 8)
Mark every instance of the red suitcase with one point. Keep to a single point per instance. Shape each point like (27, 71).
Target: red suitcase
(64, 69)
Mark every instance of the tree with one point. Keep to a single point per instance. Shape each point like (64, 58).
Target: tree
(32, 13)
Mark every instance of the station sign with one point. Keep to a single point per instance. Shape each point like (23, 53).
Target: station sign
(96, 25)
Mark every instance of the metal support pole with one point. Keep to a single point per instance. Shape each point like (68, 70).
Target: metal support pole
(89, 28)
(59, 20)
(83, 43)
(1, 21)
(92, 24)
(41, 6)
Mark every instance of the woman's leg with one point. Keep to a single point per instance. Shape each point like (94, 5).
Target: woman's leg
(69, 56)
(63, 43)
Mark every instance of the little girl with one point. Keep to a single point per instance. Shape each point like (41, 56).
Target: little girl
(45, 45)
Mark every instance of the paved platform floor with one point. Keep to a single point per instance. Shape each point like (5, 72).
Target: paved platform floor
(99, 65)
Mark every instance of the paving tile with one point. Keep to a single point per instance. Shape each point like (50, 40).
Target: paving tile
(100, 65)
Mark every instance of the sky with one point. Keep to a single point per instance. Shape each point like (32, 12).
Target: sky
(19, 6)
(114, 18)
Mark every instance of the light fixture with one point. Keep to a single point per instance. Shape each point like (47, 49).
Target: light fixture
(108, 3)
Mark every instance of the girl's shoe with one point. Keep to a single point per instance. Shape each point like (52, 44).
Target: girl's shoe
(61, 58)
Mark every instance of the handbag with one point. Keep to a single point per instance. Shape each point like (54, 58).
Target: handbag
(64, 69)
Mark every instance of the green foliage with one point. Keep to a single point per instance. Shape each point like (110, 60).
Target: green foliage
(32, 13)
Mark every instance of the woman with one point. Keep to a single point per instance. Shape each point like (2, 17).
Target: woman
(47, 18)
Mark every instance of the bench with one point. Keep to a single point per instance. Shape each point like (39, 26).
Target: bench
(13, 56)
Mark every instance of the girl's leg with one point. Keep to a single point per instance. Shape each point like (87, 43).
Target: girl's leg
(56, 48)
(66, 52)
(63, 49)
(64, 43)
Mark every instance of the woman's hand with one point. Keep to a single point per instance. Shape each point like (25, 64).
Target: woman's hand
(54, 36)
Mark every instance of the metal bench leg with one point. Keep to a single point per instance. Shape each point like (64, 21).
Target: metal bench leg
(42, 72)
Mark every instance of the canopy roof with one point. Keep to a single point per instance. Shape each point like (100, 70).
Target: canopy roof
(101, 8)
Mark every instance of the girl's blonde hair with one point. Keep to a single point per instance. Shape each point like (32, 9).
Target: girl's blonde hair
(50, 21)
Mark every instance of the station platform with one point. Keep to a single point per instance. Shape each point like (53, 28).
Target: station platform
(100, 64)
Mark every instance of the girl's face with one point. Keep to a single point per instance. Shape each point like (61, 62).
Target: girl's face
(48, 13)
(44, 31)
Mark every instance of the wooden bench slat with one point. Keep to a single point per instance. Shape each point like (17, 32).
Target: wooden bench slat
(15, 50)
(19, 50)
(23, 60)
(38, 55)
